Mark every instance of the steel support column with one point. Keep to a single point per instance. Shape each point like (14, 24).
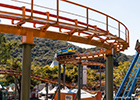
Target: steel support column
(64, 75)
(37, 89)
(100, 80)
(79, 80)
(59, 81)
(15, 87)
(26, 71)
(55, 93)
(46, 91)
(109, 77)
(81, 76)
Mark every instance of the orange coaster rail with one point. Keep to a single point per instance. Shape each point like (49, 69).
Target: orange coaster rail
(87, 33)
(86, 63)
(18, 73)
(75, 58)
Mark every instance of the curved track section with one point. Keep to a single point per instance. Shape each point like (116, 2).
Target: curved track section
(86, 63)
(18, 73)
(70, 29)
(74, 58)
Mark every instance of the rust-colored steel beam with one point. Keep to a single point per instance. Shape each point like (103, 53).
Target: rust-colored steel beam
(82, 28)
(87, 56)
(44, 28)
(86, 63)
(50, 34)
(32, 3)
(23, 21)
(18, 73)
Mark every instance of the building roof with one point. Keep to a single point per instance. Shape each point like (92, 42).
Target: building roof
(84, 94)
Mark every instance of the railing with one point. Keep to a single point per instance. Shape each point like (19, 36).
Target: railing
(126, 32)
(116, 33)
(107, 17)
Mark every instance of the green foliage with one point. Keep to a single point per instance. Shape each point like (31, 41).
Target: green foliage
(91, 76)
(119, 57)
(43, 54)
(120, 71)
(102, 76)
(12, 64)
(54, 71)
(71, 73)
(4, 54)
(45, 49)
(6, 48)
(36, 69)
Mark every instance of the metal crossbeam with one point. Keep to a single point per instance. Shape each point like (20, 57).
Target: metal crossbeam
(23, 21)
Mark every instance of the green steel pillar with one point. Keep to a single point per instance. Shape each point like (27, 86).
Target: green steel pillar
(59, 81)
(109, 77)
(26, 71)
(64, 75)
(100, 80)
(79, 80)
(81, 76)
(15, 87)
(46, 91)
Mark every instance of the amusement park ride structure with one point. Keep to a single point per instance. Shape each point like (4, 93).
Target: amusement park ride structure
(47, 80)
(71, 59)
(70, 29)
(86, 32)
(68, 59)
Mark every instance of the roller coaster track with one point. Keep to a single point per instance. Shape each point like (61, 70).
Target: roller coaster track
(87, 33)
(87, 63)
(47, 80)
(73, 59)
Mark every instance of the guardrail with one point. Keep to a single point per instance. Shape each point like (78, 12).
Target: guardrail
(102, 37)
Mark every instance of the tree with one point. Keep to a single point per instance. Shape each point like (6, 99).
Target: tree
(13, 64)
(7, 61)
(120, 71)
(71, 73)
(91, 76)
(47, 71)
(3, 51)
(6, 48)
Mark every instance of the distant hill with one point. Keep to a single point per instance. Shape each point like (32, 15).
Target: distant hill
(43, 52)
(130, 57)
(120, 57)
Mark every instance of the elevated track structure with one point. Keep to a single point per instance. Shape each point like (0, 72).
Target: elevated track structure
(86, 32)
(83, 57)
(67, 28)
(46, 80)
(81, 60)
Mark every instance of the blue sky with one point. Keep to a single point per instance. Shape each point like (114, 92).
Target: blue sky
(126, 11)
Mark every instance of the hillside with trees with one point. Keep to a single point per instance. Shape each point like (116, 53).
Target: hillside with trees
(10, 62)
(43, 55)
(45, 49)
